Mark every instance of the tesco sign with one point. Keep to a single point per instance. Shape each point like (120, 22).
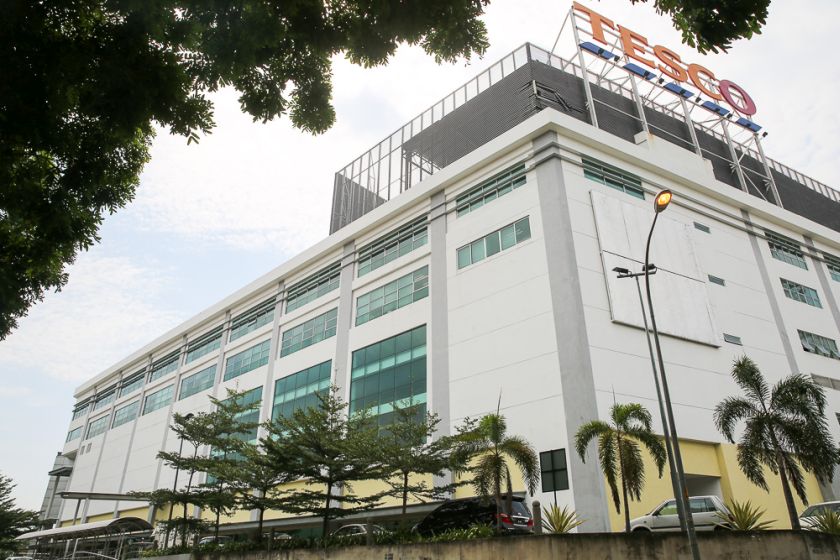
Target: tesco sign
(662, 59)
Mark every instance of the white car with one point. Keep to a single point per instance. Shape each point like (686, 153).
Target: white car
(806, 519)
(357, 529)
(705, 512)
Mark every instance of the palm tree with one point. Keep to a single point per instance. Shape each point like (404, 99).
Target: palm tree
(493, 448)
(619, 452)
(781, 422)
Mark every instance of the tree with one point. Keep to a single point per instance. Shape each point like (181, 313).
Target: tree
(86, 82)
(14, 521)
(408, 447)
(619, 451)
(784, 429)
(491, 449)
(712, 25)
(331, 451)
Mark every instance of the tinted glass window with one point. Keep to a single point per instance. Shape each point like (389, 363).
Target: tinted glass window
(668, 509)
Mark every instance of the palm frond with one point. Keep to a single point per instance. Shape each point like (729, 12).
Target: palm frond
(654, 446)
(607, 455)
(526, 459)
(625, 415)
(729, 412)
(632, 468)
(799, 395)
(749, 378)
(588, 432)
(797, 479)
(750, 464)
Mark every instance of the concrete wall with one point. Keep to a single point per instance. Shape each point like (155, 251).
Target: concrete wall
(769, 545)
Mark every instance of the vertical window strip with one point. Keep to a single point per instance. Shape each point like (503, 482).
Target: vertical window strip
(98, 426)
(785, 249)
(495, 242)
(313, 287)
(392, 245)
(158, 399)
(125, 414)
(833, 265)
(247, 360)
(490, 190)
(164, 366)
(390, 373)
(252, 319)
(133, 383)
(817, 344)
(614, 177)
(197, 382)
(73, 434)
(392, 296)
(801, 293)
(204, 345)
(306, 334)
(299, 391)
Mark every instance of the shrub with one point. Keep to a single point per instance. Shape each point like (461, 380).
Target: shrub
(473, 532)
(743, 516)
(825, 521)
(559, 521)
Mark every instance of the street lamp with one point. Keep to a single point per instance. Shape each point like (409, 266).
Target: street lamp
(675, 482)
(175, 484)
(663, 198)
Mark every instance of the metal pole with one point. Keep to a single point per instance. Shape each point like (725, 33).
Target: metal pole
(767, 170)
(690, 124)
(639, 106)
(734, 155)
(682, 500)
(675, 481)
(584, 73)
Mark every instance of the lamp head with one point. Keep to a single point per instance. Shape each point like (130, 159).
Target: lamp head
(620, 270)
(662, 200)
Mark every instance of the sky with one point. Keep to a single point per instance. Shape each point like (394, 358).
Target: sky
(209, 218)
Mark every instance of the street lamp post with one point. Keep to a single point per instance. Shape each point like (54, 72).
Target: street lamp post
(675, 481)
(175, 485)
(663, 198)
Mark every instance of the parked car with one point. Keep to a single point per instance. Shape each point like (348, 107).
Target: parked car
(704, 512)
(806, 519)
(220, 540)
(357, 529)
(466, 512)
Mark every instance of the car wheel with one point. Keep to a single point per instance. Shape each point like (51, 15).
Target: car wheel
(641, 530)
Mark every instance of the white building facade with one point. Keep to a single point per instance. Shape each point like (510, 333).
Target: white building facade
(490, 281)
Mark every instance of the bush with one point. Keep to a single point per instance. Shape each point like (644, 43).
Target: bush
(743, 516)
(560, 521)
(474, 532)
(825, 521)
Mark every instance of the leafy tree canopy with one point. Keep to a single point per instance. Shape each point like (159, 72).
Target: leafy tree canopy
(712, 25)
(14, 521)
(85, 81)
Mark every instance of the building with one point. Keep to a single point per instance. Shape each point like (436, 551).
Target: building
(470, 263)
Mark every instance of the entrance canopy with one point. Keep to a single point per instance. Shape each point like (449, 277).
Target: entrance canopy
(94, 529)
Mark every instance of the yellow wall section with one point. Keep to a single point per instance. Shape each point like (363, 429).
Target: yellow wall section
(100, 517)
(713, 460)
(142, 512)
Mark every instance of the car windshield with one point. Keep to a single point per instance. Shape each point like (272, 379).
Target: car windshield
(819, 508)
(520, 509)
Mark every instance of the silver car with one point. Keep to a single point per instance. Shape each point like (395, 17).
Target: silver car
(705, 511)
(806, 519)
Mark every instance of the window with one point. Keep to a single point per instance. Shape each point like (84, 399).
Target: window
(393, 295)
(298, 391)
(818, 344)
(74, 434)
(716, 280)
(785, 249)
(495, 242)
(105, 398)
(801, 293)
(252, 319)
(252, 399)
(732, 339)
(390, 372)
(670, 508)
(96, 427)
(392, 245)
(81, 409)
(131, 384)
(158, 399)
(204, 344)
(248, 360)
(553, 470)
(313, 287)
(125, 414)
(614, 177)
(197, 382)
(164, 366)
(702, 227)
(314, 330)
(490, 190)
(833, 265)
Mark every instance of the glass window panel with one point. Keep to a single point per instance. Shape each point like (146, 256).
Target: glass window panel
(306, 334)
(158, 399)
(464, 257)
(508, 237)
(252, 319)
(490, 190)
(523, 230)
(197, 382)
(392, 245)
(125, 414)
(477, 250)
(494, 244)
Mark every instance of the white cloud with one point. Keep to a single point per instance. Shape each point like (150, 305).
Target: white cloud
(107, 310)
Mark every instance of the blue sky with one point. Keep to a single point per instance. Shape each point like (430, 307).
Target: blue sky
(211, 217)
